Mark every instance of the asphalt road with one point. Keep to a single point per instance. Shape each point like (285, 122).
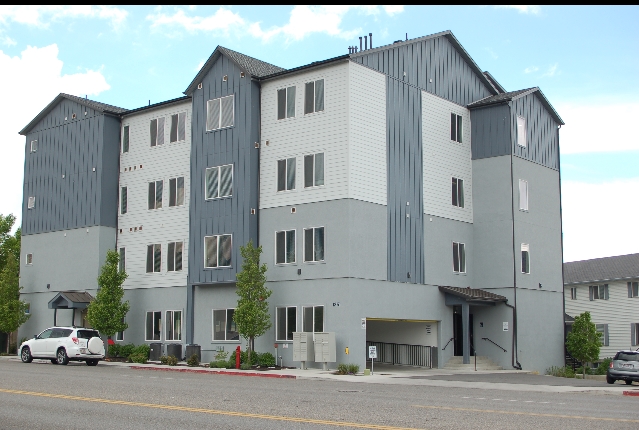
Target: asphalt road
(46, 396)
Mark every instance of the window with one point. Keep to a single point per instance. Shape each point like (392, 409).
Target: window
(153, 258)
(122, 263)
(34, 146)
(286, 174)
(31, 202)
(155, 194)
(603, 329)
(27, 310)
(459, 257)
(634, 336)
(174, 256)
(458, 192)
(314, 244)
(219, 182)
(224, 327)
(125, 139)
(573, 293)
(285, 247)
(119, 336)
(523, 195)
(599, 292)
(123, 200)
(29, 259)
(173, 325)
(633, 289)
(286, 103)
(313, 97)
(521, 131)
(313, 170)
(178, 127)
(525, 258)
(313, 319)
(153, 325)
(286, 321)
(220, 113)
(217, 251)
(157, 132)
(176, 191)
(456, 127)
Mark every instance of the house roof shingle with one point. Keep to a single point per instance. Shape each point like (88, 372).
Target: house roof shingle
(602, 269)
(473, 294)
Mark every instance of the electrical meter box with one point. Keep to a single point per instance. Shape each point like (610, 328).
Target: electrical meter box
(303, 347)
(325, 348)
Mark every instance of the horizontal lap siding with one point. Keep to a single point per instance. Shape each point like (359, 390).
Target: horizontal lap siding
(491, 131)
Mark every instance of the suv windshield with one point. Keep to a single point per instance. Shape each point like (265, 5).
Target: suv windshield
(627, 356)
(87, 334)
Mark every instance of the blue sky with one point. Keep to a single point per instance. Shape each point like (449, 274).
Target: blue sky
(585, 60)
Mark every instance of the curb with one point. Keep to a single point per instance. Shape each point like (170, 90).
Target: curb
(217, 372)
(631, 393)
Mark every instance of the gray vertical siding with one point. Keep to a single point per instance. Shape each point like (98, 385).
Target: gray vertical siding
(405, 183)
(490, 131)
(233, 145)
(436, 59)
(543, 134)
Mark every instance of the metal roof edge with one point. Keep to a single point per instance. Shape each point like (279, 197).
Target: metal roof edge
(590, 281)
(494, 82)
(204, 69)
(305, 67)
(155, 105)
(549, 106)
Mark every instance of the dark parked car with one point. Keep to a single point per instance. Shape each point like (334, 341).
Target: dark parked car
(625, 366)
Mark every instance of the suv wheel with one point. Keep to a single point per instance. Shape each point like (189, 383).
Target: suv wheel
(610, 379)
(92, 362)
(628, 382)
(25, 355)
(62, 357)
(54, 361)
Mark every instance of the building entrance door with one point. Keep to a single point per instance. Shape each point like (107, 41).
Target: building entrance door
(458, 334)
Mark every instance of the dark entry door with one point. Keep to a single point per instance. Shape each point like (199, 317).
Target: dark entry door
(459, 334)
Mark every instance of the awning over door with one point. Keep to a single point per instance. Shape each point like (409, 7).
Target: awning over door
(473, 296)
(71, 300)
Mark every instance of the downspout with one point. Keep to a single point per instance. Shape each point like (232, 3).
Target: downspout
(561, 226)
(515, 361)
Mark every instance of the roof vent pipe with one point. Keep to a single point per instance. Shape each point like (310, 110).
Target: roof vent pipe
(370, 37)
(360, 43)
(365, 42)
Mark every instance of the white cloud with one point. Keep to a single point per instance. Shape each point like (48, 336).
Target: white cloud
(222, 20)
(393, 9)
(41, 16)
(30, 82)
(599, 219)
(589, 127)
(552, 70)
(532, 9)
(200, 65)
(7, 41)
(531, 69)
(492, 53)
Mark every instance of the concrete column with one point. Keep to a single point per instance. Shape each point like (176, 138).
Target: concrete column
(466, 332)
(190, 317)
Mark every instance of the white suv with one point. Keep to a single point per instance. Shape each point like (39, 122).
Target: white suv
(64, 344)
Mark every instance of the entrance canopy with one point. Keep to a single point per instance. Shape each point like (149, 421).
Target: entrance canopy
(71, 300)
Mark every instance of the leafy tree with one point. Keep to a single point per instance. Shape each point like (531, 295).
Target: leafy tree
(9, 244)
(12, 309)
(251, 315)
(584, 341)
(106, 313)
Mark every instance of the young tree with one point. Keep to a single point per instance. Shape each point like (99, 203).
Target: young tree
(12, 309)
(584, 341)
(251, 315)
(106, 313)
(9, 244)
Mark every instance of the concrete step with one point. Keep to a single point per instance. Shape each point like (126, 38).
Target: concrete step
(483, 363)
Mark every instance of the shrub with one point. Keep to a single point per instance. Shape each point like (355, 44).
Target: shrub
(245, 366)
(219, 364)
(267, 359)
(562, 372)
(114, 350)
(193, 361)
(171, 360)
(126, 350)
(588, 370)
(353, 368)
(342, 369)
(221, 355)
(138, 358)
(13, 348)
(243, 359)
(164, 359)
(602, 369)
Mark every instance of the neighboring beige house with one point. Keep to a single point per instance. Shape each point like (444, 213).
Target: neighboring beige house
(608, 288)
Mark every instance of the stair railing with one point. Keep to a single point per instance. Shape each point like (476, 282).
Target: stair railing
(485, 338)
(449, 341)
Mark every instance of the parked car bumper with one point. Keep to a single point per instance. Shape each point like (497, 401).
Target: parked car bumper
(82, 354)
(622, 374)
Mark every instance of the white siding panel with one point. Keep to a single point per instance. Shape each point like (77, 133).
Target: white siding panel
(325, 131)
(168, 224)
(367, 135)
(445, 159)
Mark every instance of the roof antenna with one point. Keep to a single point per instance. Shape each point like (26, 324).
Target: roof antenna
(370, 37)
(86, 97)
(360, 43)
(149, 102)
(406, 36)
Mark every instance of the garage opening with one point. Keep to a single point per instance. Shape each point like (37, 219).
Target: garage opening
(403, 342)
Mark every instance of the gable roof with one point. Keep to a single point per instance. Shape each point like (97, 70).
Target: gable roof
(100, 107)
(514, 95)
(157, 105)
(602, 269)
(494, 82)
(254, 67)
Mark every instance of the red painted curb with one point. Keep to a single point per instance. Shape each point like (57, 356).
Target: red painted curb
(218, 372)
(631, 393)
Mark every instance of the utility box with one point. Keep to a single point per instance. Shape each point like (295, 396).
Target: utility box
(303, 347)
(325, 348)
(156, 352)
(174, 349)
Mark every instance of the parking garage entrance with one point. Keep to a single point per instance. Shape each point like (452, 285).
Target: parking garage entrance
(403, 342)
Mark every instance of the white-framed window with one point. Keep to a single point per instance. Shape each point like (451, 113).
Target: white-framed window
(220, 113)
(521, 131)
(125, 139)
(174, 256)
(634, 334)
(525, 258)
(122, 263)
(286, 174)
(599, 292)
(119, 336)
(176, 191)
(178, 127)
(633, 289)
(458, 192)
(313, 319)
(523, 195)
(314, 96)
(123, 200)
(603, 329)
(34, 146)
(285, 247)
(31, 202)
(286, 322)
(459, 257)
(314, 170)
(218, 182)
(173, 326)
(224, 327)
(286, 103)
(154, 258)
(218, 250)
(573, 293)
(155, 194)
(153, 330)
(157, 131)
(456, 127)
(29, 259)
(314, 244)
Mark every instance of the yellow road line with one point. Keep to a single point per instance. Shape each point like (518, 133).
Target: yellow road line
(532, 414)
(206, 411)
